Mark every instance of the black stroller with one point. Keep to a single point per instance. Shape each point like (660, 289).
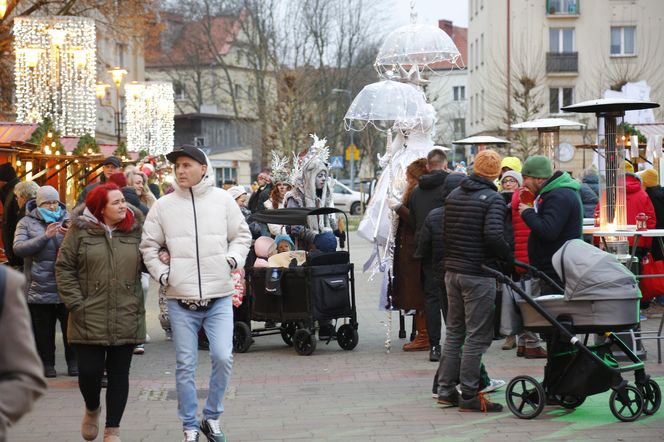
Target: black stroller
(600, 296)
(298, 298)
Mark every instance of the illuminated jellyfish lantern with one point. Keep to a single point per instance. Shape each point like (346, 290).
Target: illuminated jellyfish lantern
(610, 114)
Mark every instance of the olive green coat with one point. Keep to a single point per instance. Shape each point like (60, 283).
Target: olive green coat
(99, 280)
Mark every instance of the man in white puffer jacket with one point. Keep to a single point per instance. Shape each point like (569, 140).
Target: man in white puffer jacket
(192, 239)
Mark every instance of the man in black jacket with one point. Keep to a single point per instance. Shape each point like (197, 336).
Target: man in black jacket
(557, 215)
(10, 215)
(264, 186)
(473, 229)
(427, 196)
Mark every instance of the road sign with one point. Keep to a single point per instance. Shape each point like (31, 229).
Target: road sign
(336, 162)
(355, 151)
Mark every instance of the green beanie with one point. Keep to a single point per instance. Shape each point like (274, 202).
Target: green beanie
(537, 166)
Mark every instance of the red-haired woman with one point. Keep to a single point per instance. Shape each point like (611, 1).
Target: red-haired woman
(99, 279)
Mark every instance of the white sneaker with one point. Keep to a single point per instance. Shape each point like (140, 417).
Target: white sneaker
(147, 338)
(494, 384)
(190, 436)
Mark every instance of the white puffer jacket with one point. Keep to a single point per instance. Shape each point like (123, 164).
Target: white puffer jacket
(201, 227)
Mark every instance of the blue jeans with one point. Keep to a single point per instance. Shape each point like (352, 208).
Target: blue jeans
(218, 325)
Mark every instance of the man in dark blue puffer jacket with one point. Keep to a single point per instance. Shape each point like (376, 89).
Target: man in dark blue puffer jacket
(473, 228)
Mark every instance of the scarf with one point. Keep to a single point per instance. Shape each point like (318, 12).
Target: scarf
(50, 216)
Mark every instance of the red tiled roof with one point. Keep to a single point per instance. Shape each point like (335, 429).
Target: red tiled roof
(108, 149)
(190, 40)
(15, 133)
(460, 39)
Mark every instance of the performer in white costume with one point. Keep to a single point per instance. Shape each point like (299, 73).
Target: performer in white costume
(412, 141)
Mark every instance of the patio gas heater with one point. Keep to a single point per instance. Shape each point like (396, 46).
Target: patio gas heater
(610, 114)
(548, 131)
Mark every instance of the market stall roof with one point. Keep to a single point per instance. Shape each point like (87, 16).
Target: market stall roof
(481, 139)
(16, 134)
(609, 105)
(108, 149)
(542, 123)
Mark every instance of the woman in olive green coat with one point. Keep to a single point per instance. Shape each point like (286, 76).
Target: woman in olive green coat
(98, 272)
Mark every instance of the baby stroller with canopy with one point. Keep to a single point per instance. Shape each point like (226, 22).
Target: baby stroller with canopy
(600, 296)
(298, 298)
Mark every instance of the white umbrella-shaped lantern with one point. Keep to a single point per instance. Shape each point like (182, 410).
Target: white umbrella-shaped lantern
(548, 130)
(412, 48)
(387, 101)
(610, 114)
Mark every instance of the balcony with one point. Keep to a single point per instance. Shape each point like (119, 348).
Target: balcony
(562, 8)
(562, 62)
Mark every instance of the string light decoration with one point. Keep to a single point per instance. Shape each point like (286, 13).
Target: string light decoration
(55, 72)
(150, 116)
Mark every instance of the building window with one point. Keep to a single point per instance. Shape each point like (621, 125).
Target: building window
(250, 92)
(459, 93)
(477, 50)
(470, 56)
(199, 141)
(623, 40)
(237, 90)
(471, 109)
(121, 50)
(482, 105)
(562, 7)
(561, 40)
(225, 174)
(559, 97)
(178, 90)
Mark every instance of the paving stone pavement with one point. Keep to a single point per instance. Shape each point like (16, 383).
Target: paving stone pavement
(360, 395)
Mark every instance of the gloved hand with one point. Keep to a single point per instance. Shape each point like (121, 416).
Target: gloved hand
(393, 203)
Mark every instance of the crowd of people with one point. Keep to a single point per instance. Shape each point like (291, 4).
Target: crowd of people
(89, 269)
(501, 210)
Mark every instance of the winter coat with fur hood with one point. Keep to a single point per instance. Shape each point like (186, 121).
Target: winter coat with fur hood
(201, 227)
(99, 279)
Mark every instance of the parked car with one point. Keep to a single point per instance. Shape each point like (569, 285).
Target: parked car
(348, 200)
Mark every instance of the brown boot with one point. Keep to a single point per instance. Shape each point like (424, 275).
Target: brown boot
(90, 424)
(112, 434)
(421, 341)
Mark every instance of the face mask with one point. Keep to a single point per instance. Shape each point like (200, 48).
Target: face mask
(49, 215)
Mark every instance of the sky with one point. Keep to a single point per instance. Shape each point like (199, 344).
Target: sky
(430, 11)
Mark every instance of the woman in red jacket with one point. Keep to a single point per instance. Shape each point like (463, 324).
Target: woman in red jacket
(527, 343)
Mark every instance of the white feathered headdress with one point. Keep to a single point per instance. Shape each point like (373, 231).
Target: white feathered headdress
(280, 170)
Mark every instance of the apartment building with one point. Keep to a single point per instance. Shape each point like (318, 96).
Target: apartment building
(555, 53)
(448, 87)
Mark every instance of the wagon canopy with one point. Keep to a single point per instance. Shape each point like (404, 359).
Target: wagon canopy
(589, 273)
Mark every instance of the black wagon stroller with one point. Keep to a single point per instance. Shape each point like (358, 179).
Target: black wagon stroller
(600, 296)
(298, 298)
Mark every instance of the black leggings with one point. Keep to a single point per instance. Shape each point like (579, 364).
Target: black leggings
(92, 360)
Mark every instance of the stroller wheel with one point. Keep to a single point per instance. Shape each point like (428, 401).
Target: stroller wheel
(347, 337)
(304, 342)
(525, 397)
(626, 403)
(288, 330)
(652, 397)
(242, 339)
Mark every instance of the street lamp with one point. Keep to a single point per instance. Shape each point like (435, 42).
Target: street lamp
(352, 144)
(117, 75)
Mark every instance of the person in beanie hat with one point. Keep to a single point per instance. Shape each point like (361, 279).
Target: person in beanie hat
(650, 179)
(110, 165)
(473, 228)
(555, 217)
(10, 213)
(38, 236)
